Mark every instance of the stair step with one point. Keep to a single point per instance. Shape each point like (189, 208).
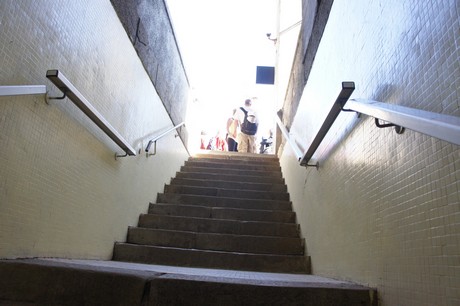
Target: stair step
(216, 242)
(53, 282)
(219, 226)
(222, 165)
(234, 160)
(222, 192)
(238, 156)
(237, 162)
(210, 259)
(222, 213)
(205, 290)
(275, 174)
(95, 282)
(229, 185)
(230, 178)
(230, 202)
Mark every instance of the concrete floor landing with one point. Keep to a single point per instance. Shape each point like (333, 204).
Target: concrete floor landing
(43, 281)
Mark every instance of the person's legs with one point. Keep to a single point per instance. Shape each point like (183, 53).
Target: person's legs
(252, 144)
(231, 144)
(243, 142)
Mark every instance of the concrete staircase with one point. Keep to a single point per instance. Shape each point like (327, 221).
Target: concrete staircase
(222, 233)
(220, 211)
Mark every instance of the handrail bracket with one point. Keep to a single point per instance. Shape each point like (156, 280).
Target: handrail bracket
(398, 129)
(147, 154)
(154, 140)
(47, 97)
(315, 165)
(120, 156)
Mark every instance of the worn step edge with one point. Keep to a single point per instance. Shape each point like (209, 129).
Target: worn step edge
(210, 290)
(235, 155)
(211, 259)
(236, 162)
(231, 178)
(214, 287)
(223, 192)
(216, 183)
(216, 242)
(219, 226)
(276, 174)
(225, 165)
(43, 282)
(223, 213)
(204, 200)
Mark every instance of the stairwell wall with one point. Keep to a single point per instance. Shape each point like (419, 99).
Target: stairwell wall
(62, 193)
(383, 209)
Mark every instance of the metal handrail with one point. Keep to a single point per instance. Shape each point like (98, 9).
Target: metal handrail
(436, 125)
(19, 90)
(286, 135)
(154, 140)
(80, 101)
(440, 126)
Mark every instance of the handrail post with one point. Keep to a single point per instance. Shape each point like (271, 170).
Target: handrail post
(344, 95)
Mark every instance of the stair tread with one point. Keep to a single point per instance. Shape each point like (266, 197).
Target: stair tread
(206, 200)
(216, 241)
(236, 236)
(225, 192)
(261, 228)
(225, 165)
(218, 183)
(277, 174)
(295, 257)
(237, 156)
(226, 208)
(126, 283)
(230, 177)
(211, 259)
(223, 213)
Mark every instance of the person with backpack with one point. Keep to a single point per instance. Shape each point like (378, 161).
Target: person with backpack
(248, 123)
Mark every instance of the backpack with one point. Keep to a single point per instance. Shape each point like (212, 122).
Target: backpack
(249, 126)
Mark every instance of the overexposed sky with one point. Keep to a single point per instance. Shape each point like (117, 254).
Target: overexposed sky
(222, 42)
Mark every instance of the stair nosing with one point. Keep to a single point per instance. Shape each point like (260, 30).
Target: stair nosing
(229, 198)
(214, 251)
(247, 172)
(231, 182)
(230, 208)
(266, 237)
(227, 189)
(219, 219)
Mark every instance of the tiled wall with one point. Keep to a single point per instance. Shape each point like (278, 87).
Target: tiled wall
(62, 193)
(383, 209)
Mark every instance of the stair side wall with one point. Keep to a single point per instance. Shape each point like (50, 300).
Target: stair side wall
(62, 193)
(383, 209)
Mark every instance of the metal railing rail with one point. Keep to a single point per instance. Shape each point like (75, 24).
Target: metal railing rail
(154, 140)
(80, 101)
(286, 135)
(18, 90)
(436, 125)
